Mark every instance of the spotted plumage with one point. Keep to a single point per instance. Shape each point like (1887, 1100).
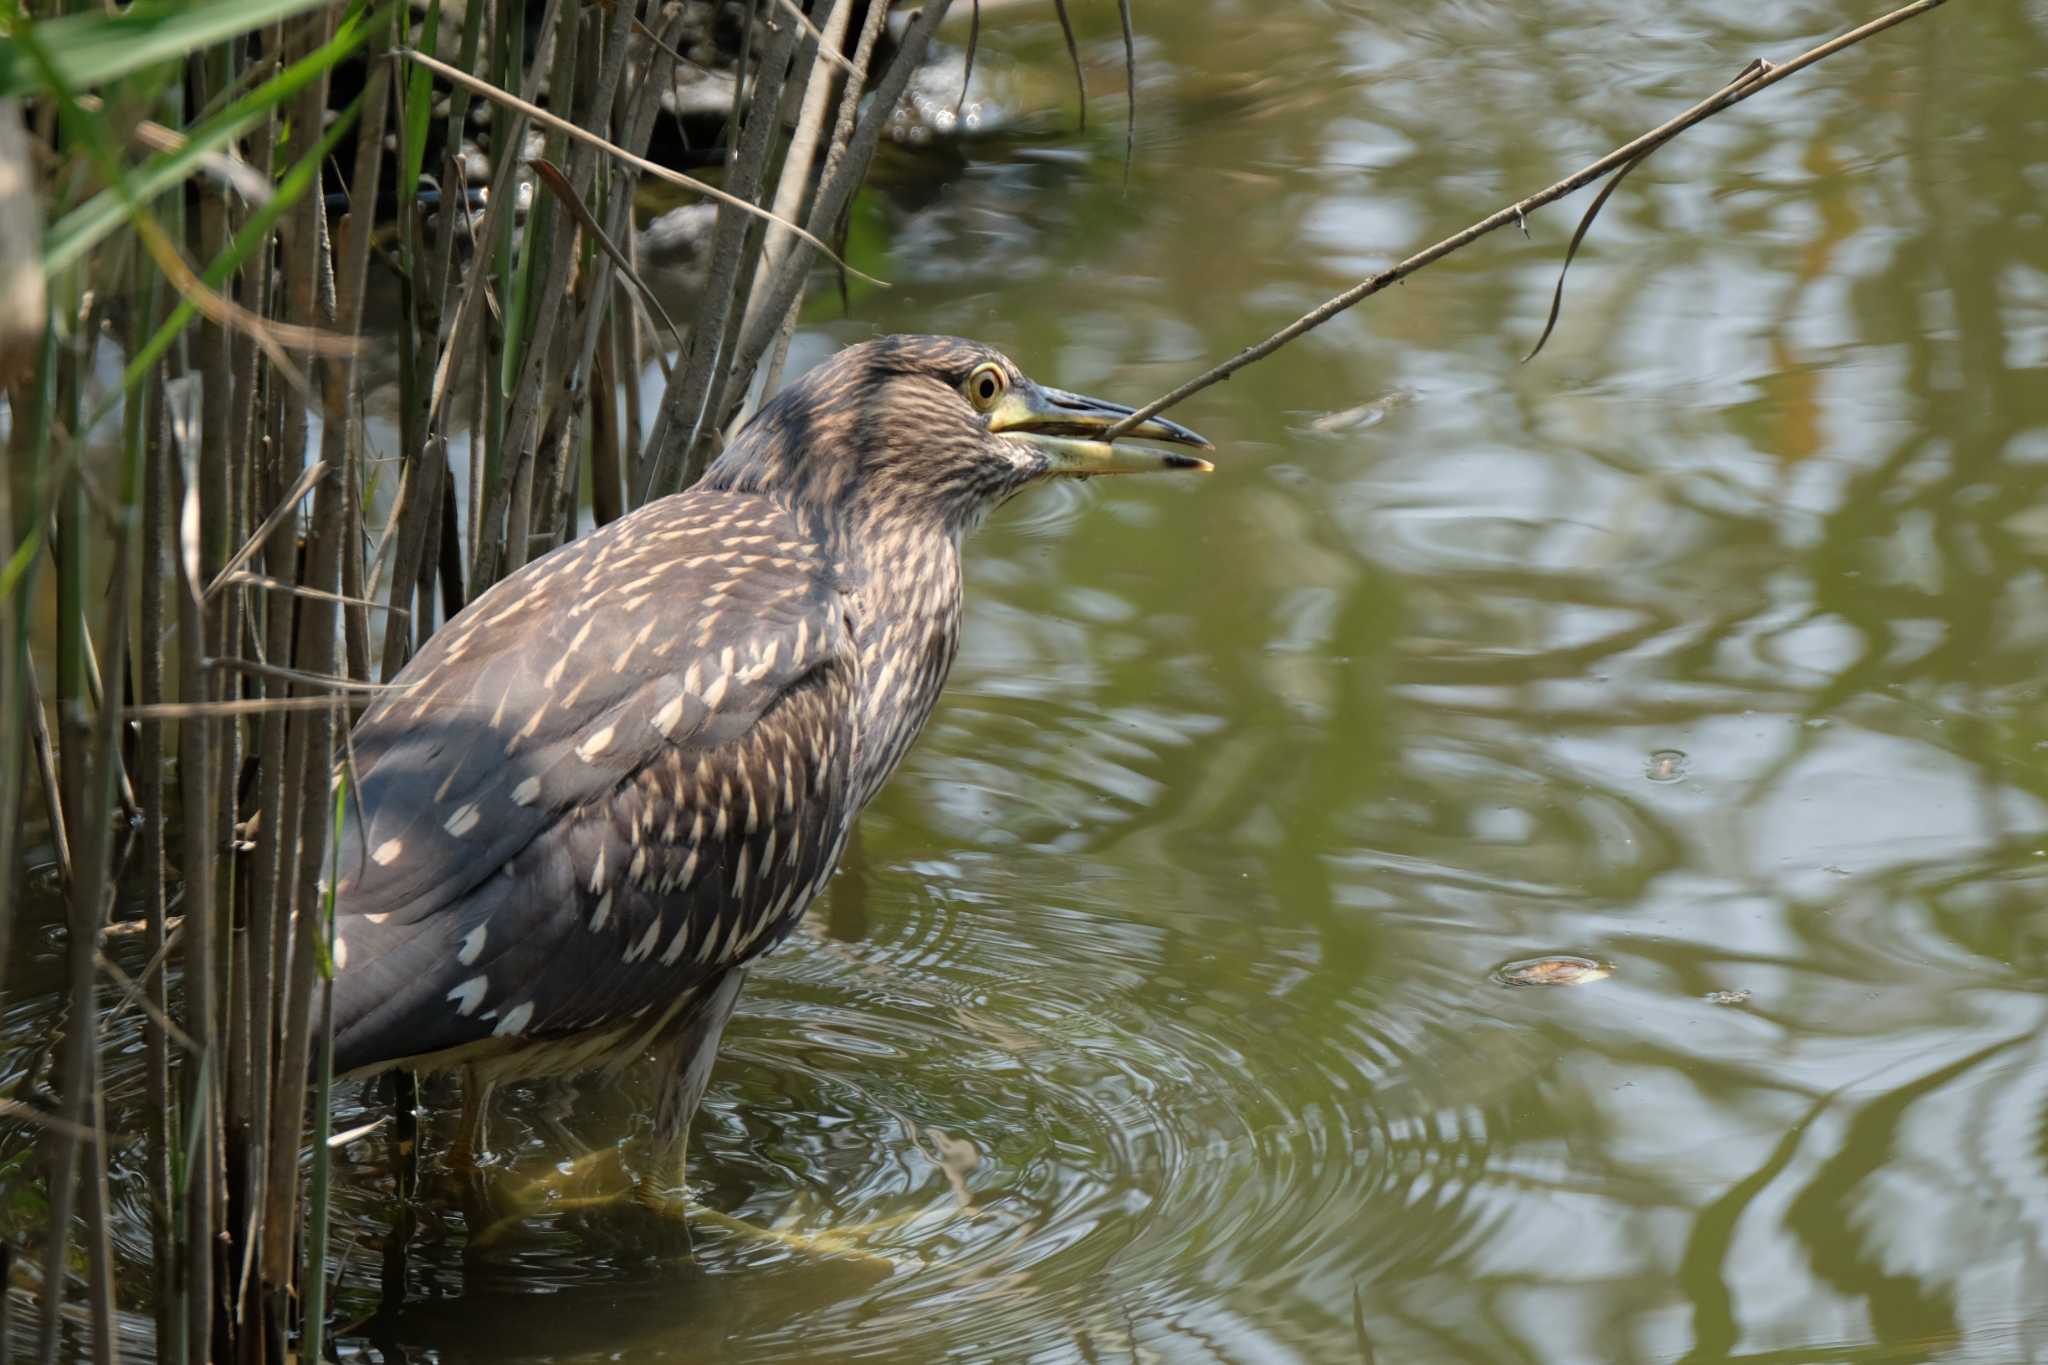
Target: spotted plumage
(626, 770)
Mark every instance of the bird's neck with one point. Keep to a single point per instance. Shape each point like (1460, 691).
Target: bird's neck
(899, 559)
(905, 583)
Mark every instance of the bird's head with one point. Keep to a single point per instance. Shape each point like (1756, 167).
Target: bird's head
(939, 430)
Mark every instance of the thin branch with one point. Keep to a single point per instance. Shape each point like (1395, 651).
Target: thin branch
(243, 706)
(1059, 7)
(257, 580)
(1123, 13)
(357, 1133)
(53, 1123)
(312, 474)
(826, 49)
(973, 42)
(268, 333)
(46, 768)
(296, 675)
(136, 928)
(1761, 76)
(227, 166)
(558, 184)
(131, 989)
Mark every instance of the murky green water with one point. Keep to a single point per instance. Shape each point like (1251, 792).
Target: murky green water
(1157, 1018)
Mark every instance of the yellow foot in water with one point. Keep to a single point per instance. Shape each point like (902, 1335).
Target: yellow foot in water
(598, 1180)
(594, 1180)
(851, 1242)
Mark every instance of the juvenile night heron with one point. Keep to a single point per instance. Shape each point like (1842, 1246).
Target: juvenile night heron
(622, 773)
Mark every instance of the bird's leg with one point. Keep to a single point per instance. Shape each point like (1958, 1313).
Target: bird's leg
(595, 1180)
(405, 1141)
(689, 1050)
(471, 1142)
(688, 1047)
(591, 1179)
(695, 1048)
(853, 1241)
(663, 1189)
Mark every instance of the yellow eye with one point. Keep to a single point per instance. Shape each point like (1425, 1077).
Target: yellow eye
(985, 385)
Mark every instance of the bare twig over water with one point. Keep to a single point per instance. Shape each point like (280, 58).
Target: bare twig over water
(1073, 56)
(1755, 78)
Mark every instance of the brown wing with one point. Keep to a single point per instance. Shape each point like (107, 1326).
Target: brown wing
(581, 803)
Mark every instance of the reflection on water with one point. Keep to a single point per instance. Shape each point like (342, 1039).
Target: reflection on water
(1160, 1019)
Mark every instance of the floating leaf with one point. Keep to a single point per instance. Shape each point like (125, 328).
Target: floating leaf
(1561, 970)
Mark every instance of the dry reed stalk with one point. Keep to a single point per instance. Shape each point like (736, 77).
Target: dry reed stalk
(152, 872)
(794, 184)
(632, 113)
(674, 461)
(835, 195)
(239, 668)
(618, 225)
(524, 341)
(835, 154)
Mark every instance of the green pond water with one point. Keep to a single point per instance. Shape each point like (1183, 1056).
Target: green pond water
(1158, 1015)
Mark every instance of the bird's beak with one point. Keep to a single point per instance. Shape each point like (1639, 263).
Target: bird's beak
(1064, 426)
